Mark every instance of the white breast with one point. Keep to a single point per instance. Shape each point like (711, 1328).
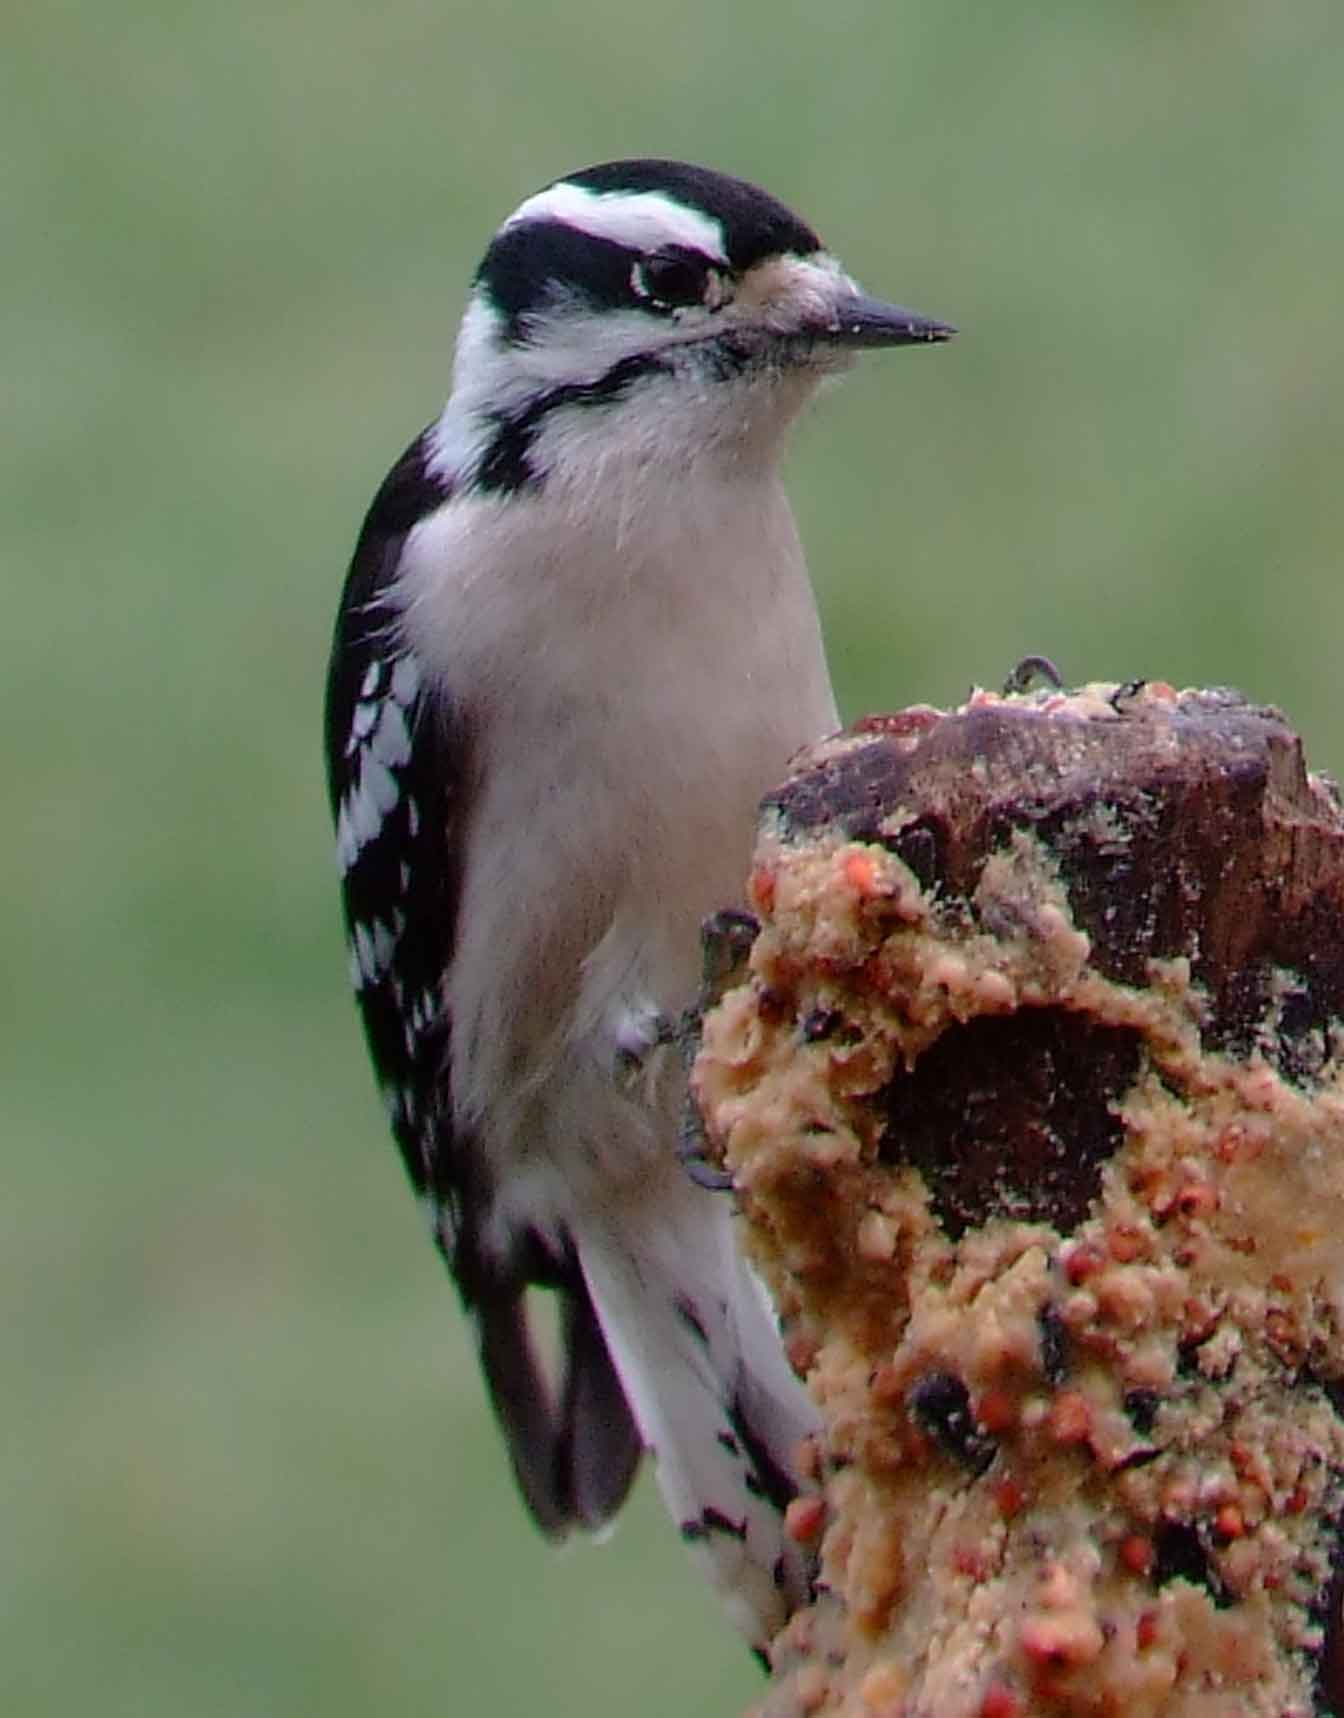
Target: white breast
(633, 677)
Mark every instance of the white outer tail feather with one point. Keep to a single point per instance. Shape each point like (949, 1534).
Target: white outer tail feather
(698, 1351)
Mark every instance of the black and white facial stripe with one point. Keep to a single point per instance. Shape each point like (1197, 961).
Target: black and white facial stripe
(506, 464)
(651, 236)
(611, 279)
(752, 223)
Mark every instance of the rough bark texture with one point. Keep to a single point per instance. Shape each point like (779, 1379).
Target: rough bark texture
(1035, 1110)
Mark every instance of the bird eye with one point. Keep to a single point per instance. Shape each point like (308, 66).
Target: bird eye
(670, 279)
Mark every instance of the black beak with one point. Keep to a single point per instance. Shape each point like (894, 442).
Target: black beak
(862, 321)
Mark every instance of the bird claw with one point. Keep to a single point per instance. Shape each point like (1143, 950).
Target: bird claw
(725, 942)
(692, 1147)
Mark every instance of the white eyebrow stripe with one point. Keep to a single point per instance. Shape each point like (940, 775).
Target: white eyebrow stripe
(642, 219)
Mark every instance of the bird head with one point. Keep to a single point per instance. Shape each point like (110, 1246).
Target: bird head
(654, 311)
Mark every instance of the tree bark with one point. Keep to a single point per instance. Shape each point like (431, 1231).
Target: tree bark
(1034, 1105)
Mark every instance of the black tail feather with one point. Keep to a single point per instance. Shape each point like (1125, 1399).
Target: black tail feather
(574, 1459)
(600, 1445)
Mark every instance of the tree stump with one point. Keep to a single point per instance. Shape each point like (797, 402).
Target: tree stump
(1034, 1105)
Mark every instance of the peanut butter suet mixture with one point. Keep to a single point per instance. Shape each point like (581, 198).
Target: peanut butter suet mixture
(1062, 1258)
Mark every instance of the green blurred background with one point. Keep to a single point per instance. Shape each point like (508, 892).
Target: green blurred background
(249, 1468)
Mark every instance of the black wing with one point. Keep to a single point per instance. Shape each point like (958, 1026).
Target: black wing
(399, 781)
(396, 774)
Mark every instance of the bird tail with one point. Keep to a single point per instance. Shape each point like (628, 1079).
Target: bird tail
(697, 1349)
(574, 1448)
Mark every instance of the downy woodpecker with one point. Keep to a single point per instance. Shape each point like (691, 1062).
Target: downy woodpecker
(577, 643)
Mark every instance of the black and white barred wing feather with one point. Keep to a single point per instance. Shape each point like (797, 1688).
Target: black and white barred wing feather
(392, 769)
(399, 780)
